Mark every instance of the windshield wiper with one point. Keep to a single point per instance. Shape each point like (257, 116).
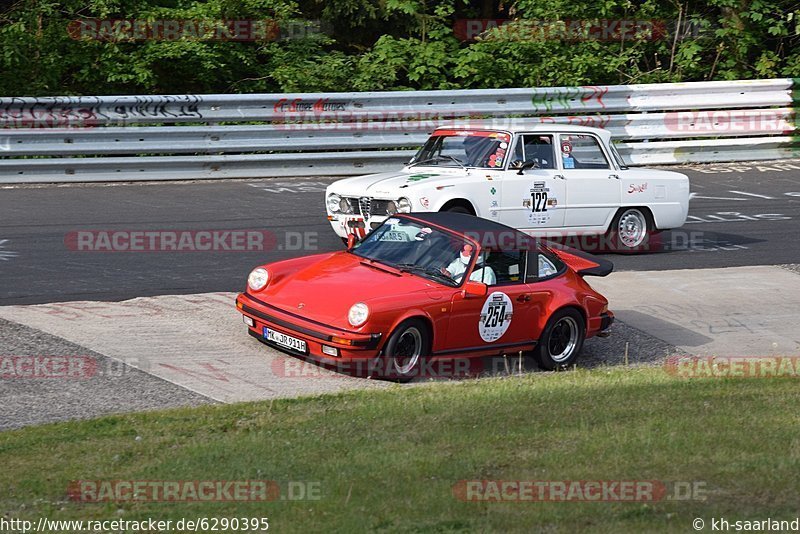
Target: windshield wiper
(434, 273)
(439, 158)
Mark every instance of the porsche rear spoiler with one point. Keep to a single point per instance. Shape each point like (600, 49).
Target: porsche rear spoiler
(585, 264)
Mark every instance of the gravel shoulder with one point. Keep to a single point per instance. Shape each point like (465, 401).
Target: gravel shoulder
(100, 386)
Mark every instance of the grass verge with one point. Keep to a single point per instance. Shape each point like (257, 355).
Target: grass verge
(388, 460)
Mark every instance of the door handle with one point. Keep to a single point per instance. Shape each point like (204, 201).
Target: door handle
(616, 176)
(559, 176)
(525, 297)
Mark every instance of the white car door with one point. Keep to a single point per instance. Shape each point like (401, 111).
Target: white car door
(534, 198)
(592, 182)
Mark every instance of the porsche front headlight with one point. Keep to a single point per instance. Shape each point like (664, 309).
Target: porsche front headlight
(403, 205)
(258, 279)
(358, 314)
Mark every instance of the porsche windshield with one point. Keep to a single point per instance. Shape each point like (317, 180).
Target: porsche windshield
(418, 249)
(467, 148)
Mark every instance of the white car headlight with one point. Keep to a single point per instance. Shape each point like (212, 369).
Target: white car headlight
(403, 205)
(358, 314)
(345, 205)
(258, 279)
(334, 202)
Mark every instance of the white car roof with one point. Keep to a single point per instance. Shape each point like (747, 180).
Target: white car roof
(522, 125)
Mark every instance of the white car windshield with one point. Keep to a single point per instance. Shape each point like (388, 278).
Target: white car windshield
(467, 148)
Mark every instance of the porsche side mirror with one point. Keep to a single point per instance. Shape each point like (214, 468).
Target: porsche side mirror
(351, 241)
(475, 289)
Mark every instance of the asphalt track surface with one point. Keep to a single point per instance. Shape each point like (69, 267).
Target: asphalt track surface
(160, 352)
(741, 214)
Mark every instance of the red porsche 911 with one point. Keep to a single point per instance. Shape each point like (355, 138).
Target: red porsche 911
(429, 286)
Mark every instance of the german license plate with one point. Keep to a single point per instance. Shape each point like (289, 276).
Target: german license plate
(394, 235)
(285, 340)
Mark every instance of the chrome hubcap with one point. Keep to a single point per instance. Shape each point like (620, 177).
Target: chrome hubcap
(563, 339)
(632, 228)
(407, 351)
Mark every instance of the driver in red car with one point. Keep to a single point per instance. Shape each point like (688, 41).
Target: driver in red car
(457, 268)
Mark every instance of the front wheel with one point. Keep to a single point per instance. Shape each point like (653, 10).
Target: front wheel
(406, 350)
(458, 209)
(561, 341)
(630, 230)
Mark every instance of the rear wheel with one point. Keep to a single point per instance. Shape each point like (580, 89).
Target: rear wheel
(561, 341)
(406, 350)
(630, 230)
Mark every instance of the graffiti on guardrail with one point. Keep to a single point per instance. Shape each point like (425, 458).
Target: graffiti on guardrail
(566, 98)
(87, 112)
(168, 107)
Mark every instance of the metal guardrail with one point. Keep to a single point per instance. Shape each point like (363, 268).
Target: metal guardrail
(65, 139)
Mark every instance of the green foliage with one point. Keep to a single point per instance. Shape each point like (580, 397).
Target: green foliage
(368, 45)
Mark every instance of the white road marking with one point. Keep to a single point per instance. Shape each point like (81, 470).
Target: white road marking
(752, 194)
(693, 196)
(6, 255)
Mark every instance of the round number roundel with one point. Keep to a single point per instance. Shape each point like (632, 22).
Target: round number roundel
(495, 316)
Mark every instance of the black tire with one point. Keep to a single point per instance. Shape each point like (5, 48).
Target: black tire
(561, 341)
(406, 350)
(458, 209)
(630, 231)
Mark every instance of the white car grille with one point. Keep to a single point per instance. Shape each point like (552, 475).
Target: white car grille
(368, 206)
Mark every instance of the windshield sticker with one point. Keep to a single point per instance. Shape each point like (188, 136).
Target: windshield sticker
(423, 234)
(502, 136)
(496, 159)
(495, 317)
(569, 163)
(392, 221)
(566, 148)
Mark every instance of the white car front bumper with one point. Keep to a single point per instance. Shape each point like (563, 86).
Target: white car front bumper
(345, 224)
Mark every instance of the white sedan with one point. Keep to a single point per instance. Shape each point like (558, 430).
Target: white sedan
(547, 180)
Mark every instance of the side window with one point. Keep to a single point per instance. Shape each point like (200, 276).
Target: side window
(538, 148)
(580, 151)
(549, 265)
(502, 267)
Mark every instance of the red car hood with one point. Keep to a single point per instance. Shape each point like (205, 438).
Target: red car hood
(325, 290)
